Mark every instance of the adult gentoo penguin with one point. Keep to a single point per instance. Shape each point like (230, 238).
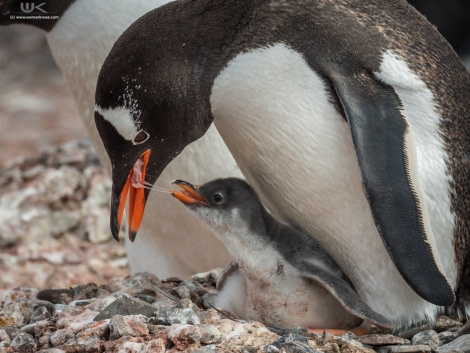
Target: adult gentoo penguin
(80, 40)
(285, 279)
(349, 118)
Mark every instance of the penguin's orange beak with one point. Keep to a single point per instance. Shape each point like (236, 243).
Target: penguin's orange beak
(189, 195)
(134, 187)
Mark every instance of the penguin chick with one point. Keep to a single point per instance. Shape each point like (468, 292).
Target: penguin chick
(287, 279)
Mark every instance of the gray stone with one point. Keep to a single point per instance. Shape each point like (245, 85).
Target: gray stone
(23, 339)
(428, 337)
(183, 336)
(444, 323)
(381, 340)
(157, 345)
(131, 325)
(420, 348)
(210, 334)
(28, 328)
(185, 289)
(20, 293)
(207, 349)
(460, 345)
(51, 350)
(176, 315)
(126, 305)
(17, 313)
(134, 347)
(447, 336)
(185, 304)
(271, 349)
(11, 331)
(291, 343)
(4, 336)
(41, 313)
(59, 337)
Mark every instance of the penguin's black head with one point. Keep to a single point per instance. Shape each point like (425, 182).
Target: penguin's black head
(224, 203)
(148, 109)
(42, 14)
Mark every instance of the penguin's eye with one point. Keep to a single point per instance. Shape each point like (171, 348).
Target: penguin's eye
(141, 137)
(218, 198)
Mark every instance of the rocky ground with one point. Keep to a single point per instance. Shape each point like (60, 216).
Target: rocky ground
(73, 288)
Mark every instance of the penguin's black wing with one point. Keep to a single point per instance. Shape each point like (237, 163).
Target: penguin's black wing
(378, 128)
(343, 292)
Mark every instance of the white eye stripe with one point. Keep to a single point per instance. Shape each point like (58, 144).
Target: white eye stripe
(122, 119)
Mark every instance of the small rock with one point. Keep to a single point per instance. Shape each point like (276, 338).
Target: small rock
(81, 302)
(126, 305)
(210, 316)
(75, 318)
(420, 348)
(177, 316)
(131, 325)
(460, 345)
(411, 331)
(428, 337)
(51, 350)
(65, 296)
(17, 313)
(157, 345)
(11, 331)
(207, 349)
(210, 334)
(59, 337)
(133, 347)
(30, 328)
(23, 339)
(20, 293)
(381, 340)
(444, 323)
(184, 336)
(447, 336)
(41, 313)
(293, 342)
(4, 336)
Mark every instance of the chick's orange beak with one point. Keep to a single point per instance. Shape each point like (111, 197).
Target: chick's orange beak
(189, 195)
(134, 187)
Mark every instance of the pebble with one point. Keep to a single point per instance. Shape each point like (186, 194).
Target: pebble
(460, 345)
(60, 337)
(126, 305)
(428, 337)
(128, 325)
(113, 317)
(23, 339)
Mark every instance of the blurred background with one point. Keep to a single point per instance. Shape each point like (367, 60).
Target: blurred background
(36, 109)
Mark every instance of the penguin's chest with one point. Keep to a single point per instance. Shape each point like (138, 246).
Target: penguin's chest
(278, 296)
(277, 118)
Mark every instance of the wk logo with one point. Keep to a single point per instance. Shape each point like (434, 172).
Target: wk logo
(28, 7)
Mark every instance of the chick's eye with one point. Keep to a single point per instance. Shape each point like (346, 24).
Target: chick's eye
(218, 198)
(141, 137)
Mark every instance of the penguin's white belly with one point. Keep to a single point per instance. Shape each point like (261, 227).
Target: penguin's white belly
(170, 242)
(296, 150)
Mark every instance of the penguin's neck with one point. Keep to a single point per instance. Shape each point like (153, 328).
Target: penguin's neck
(253, 247)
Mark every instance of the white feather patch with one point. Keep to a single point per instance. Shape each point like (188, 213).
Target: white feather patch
(122, 120)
